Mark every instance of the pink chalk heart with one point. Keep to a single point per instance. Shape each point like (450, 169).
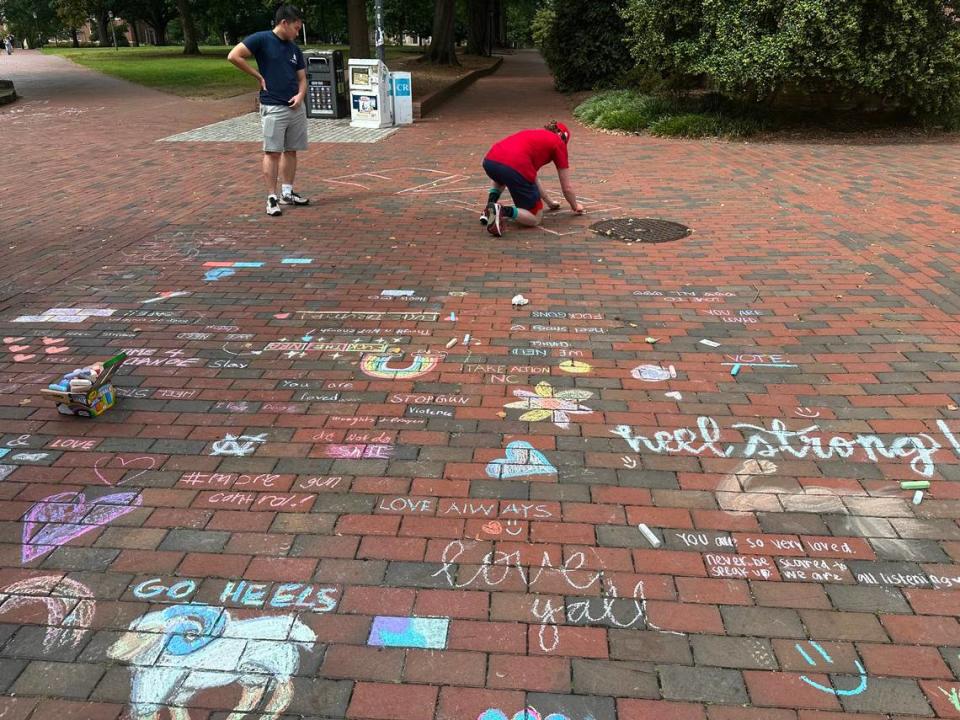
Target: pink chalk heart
(282, 316)
(52, 341)
(56, 350)
(23, 358)
(149, 462)
(18, 348)
(58, 519)
(10, 340)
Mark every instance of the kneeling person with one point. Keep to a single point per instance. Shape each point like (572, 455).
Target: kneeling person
(283, 86)
(513, 163)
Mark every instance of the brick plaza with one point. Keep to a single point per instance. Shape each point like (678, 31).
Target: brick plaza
(308, 504)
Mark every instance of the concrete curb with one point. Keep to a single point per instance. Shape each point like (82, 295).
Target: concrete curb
(431, 102)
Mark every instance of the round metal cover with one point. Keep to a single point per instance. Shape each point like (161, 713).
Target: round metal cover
(645, 230)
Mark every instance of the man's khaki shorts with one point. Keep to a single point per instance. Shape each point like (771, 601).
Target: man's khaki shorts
(283, 128)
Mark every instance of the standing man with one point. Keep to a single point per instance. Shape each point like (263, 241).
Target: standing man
(513, 163)
(283, 86)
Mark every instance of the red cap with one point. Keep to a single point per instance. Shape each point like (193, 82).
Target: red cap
(564, 132)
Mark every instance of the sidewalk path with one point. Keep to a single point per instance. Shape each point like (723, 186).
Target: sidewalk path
(309, 503)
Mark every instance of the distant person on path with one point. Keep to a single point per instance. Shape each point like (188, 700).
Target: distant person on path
(8, 44)
(513, 163)
(283, 85)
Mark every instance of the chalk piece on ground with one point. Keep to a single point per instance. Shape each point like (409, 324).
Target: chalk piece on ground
(651, 340)
(914, 484)
(466, 339)
(735, 370)
(917, 497)
(519, 300)
(710, 343)
(649, 535)
(451, 343)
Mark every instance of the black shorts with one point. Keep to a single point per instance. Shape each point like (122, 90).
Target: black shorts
(525, 194)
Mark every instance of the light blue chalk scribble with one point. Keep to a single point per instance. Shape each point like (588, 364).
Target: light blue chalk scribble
(411, 632)
(296, 261)
(824, 688)
(218, 273)
(248, 264)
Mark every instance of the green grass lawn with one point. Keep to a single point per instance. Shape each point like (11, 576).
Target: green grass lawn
(207, 76)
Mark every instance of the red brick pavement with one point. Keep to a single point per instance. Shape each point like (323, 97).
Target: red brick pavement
(795, 581)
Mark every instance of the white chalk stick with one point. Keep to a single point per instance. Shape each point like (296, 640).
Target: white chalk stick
(452, 342)
(917, 497)
(649, 535)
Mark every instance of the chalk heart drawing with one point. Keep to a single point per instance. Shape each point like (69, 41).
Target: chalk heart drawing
(545, 403)
(410, 632)
(182, 650)
(521, 459)
(58, 519)
(22, 353)
(525, 714)
(381, 366)
(70, 607)
(148, 463)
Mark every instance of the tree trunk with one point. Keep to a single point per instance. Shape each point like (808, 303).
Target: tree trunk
(103, 28)
(358, 29)
(499, 29)
(74, 38)
(134, 33)
(442, 50)
(190, 44)
(478, 26)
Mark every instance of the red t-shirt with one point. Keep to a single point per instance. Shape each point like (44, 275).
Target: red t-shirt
(529, 150)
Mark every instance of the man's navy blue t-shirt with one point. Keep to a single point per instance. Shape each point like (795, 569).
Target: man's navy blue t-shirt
(278, 60)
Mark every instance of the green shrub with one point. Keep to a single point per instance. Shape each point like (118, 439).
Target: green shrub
(623, 110)
(582, 42)
(698, 125)
(882, 55)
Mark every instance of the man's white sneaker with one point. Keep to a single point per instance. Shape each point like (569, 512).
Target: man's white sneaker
(488, 212)
(495, 224)
(293, 199)
(273, 206)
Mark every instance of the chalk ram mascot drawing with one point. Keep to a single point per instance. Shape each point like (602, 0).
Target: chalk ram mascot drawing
(184, 649)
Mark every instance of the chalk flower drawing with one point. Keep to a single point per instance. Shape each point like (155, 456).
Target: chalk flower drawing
(547, 404)
(232, 445)
(182, 650)
(70, 607)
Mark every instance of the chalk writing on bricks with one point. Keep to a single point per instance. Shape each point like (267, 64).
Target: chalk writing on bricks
(70, 607)
(244, 593)
(521, 460)
(824, 688)
(238, 446)
(182, 650)
(778, 441)
(411, 632)
(382, 366)
(545, 403)
(58, 519)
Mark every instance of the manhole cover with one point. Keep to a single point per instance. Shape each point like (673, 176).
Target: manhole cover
(645, 230)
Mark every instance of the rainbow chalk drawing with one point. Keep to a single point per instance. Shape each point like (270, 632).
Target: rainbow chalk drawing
(521, 459)
(58, 519)
(409, 632)
(70, 607)
(379, 366)
(823, 688)
(182, 650)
